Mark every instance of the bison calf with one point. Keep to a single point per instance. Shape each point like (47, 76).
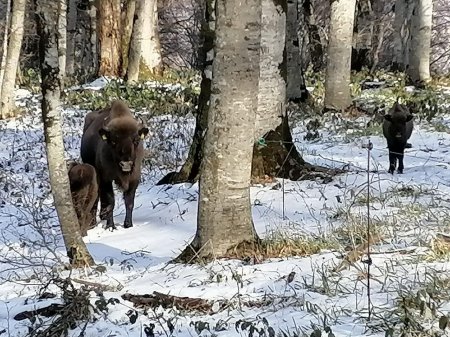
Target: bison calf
(84, 190)
(397, 128)
(112, 143)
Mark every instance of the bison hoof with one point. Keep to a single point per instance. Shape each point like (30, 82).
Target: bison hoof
(391, 171)
(127, 224)
(111, 227)
(400, 171)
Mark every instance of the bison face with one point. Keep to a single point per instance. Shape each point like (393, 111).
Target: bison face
(397, 127)
(124, 145)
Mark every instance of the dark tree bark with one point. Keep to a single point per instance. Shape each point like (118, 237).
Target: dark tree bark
(190, 170)
(362, 36)
(295, 86)
(315, 42)
(109, 37)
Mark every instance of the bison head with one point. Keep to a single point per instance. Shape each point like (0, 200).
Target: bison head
(124, 138)
(398, 117)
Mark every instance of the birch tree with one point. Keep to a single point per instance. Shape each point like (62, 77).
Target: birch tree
(224, 215)
(62, 39)
(151, 60)
(5, 44)
(109, 37)
(272, 73)
(128, 23)
(12, 58)
(47, 26)
(72, 15)
(93, 63)
(420, 42)
(337, 81)
(135, 46)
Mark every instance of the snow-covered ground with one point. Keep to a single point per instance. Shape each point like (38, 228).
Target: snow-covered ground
(407, 212)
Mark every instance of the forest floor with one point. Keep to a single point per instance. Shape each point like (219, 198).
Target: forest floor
(323, 287)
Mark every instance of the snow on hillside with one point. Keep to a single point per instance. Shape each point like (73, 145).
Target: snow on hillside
(408, 212)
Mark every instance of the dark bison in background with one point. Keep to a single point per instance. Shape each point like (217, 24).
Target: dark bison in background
(84, 191)
(397, 128)
(112, 143)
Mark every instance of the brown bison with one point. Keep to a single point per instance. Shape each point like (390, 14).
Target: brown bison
(397, 129)
(112, 143)
(84, 191)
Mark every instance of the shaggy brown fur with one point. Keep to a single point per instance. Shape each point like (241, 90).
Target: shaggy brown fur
(112, 143)
(84, 190)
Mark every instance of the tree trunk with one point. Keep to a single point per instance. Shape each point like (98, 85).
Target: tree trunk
(296, 88)
(315, 42)
(135, 46)
(191, 168)
(94, 45)
(128, 23)
(272, 148)
(402, 22)
(337, 81)
(420, 44)
(272, 87)
(12, 59)
(5, 45)
(380, 10)
(224, 214)
(151, 62)
(72, 15)
(362, 36)
(47, 19)
(62, 40)
(108, 14)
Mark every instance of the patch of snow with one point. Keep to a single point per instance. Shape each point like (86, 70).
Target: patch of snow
(410, 208)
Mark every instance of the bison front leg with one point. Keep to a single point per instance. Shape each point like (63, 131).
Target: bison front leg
(400, 157)
(107, 204)
(128, 197)
(392, 162)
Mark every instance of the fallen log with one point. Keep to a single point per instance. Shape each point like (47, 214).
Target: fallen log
(167, 301)
(48, 311)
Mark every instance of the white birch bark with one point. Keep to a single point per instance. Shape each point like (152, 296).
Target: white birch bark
(12, 59)
(62, 39)
(224, 217)
(272, 73)
(151, 60)
(5, 44)
(420, 41)
(337, 81)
